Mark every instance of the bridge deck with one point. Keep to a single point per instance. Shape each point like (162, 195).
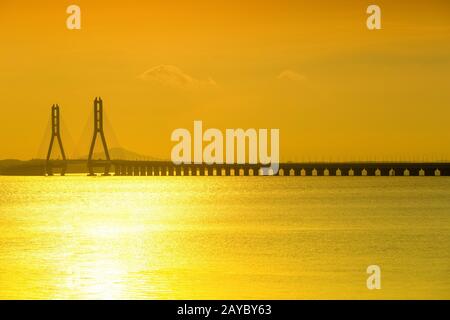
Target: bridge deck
(167, 168)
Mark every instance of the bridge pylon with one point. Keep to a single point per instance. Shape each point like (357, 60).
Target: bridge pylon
(98, 131)
(56, 134)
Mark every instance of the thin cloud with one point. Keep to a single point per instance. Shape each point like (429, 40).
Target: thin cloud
(290, 75)
(171, 76)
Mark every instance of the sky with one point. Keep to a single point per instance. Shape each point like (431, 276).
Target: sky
(336, 90)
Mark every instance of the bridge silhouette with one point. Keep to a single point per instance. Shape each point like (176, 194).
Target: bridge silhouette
(124, 167)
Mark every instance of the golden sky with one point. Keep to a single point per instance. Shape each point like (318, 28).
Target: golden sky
(312, 69)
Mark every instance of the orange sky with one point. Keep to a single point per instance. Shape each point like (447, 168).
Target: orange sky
(310, 68)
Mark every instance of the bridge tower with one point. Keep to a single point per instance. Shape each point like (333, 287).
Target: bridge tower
(98, 131)
(56, 133)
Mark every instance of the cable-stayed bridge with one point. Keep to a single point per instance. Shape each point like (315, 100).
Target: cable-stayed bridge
(122, 167)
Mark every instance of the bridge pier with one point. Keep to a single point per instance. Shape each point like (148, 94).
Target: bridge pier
(91, 172)
(52, 164)
(49, 171)
(106, 165)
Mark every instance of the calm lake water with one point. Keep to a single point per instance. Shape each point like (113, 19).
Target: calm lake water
(223, 237)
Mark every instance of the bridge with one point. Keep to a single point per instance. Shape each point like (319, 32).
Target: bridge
(167, 168)
(119, 167)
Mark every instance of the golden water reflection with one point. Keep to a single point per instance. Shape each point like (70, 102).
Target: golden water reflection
(222, 237)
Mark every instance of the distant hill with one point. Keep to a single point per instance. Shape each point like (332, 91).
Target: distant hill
(17, 167)
(122, 154)
(10, 162)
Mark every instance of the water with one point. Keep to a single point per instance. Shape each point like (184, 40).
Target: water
(223, 237)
